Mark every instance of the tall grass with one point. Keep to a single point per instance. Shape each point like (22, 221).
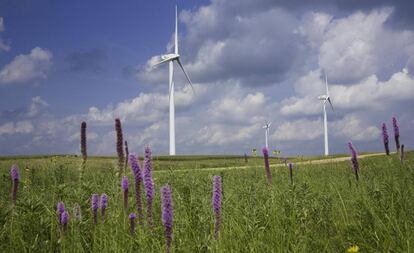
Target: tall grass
(324, 211)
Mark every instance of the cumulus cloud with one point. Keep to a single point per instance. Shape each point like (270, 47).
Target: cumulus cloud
(349, 127)
(361, 45)
(244, 48)
(369, 93)
(27, 67)
(20, 127)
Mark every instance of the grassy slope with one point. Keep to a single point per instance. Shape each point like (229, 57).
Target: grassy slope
(324, 211)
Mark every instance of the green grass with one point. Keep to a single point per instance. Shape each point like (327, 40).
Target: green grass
(325, 210)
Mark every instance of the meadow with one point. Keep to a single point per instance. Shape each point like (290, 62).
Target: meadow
(324, 210)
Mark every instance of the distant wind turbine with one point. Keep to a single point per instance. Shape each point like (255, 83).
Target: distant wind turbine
(267, 127)
(170, 58)
(326, 98)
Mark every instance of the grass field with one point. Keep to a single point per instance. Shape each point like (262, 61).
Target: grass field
(325, 210)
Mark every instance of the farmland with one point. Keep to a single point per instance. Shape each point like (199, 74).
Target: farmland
(324, 210)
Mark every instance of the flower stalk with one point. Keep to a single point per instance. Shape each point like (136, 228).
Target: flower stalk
(267, 166)
(216, 203)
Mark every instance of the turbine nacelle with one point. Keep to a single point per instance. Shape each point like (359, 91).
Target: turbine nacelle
(323, 97)
(169, 57)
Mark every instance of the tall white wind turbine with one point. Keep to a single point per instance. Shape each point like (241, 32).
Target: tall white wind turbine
(326, 98)
(266, 127)
(170, 58)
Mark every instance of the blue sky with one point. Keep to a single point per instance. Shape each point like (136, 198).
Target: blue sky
(250, 61)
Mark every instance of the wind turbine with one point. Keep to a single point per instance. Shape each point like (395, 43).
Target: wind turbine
(326, 98)
(267, 127)
(171, 58)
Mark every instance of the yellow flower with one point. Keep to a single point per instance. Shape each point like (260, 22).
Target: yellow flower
(353, 249)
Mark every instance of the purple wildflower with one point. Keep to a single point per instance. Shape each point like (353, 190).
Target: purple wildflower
(94, 207)
(148, 183)
(136, 170)
(216, 202)
(132, 222)
(291, 172)
(396, 133)
(60, 208)
(267, 167)
(119, 145)
(126, 154)
(104, 204)
(77, 212)
(167, 215)
(64, 220)
(354, 160)
(83, 141)
(385, 138)
(125, 186)
(15, 177)
(402, 154)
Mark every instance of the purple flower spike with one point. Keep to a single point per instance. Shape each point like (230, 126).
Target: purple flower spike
(77, 212)
(83, 141)
(136, 170)
(385, 138)
(149, 184)
(104, 204)
(15, 177)
(167, 215)
(267, 167)
(125, 187)
(354, 160)
(291, 172)
(396, 133)
(132, 222)
(119, 145)
(60, 208)
(94, 207)
(216, 202)
(402, 154)
(64, 220)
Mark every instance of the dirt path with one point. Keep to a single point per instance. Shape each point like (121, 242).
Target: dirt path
(319, 161)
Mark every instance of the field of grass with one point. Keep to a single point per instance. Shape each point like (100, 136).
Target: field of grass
(325, 210)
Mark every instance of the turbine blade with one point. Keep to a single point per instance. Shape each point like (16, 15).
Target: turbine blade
(159, 63)
(185, 73)
(176, 32)
(171, 79)
(326, 84)
(330, 102)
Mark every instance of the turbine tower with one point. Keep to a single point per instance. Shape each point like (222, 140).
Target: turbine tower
(171, 58)
(267, 127)
(326, 98)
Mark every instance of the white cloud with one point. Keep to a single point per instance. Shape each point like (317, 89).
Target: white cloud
(27, 67)
(238, 109)
(302, 129)
(146, 108)
(220, 134)
(361, 44)
(20, 127)
(368, 93)
(37, 106)
(349, 127)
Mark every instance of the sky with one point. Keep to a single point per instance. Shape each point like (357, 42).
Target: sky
(62, 63)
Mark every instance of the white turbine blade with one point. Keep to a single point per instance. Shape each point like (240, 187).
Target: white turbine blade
(176, 32)
(326, 85)
(159, 63)
(170, 79)
(185, 73)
